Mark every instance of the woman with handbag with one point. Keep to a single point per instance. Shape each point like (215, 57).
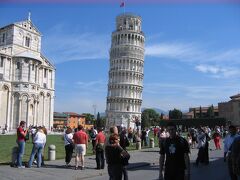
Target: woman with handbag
(99, 149)
(68, 145)
(116, 158)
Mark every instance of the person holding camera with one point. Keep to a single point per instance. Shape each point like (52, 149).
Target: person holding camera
(21, 135)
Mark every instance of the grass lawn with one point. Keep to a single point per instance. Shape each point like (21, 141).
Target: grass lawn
(7, 142)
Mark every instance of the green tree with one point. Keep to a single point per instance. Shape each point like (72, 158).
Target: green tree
(100, 122)
(210, 112)
(161, 116)
(194, 113)
(149, 118)
(90, 118)
(200, 112)
(175, 114)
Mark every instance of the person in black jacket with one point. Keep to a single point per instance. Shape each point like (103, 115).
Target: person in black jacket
(174, 156)
(124, 143)
(113, 152)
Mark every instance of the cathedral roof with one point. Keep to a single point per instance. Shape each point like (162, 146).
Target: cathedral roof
(235, 97)
(28, 54)
(28, 25)
(31, 55)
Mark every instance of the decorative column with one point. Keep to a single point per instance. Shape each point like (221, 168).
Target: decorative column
(27, 120)
(12, 110)
(20, 110)
(44, 118)
(9, 110)
(51, 112)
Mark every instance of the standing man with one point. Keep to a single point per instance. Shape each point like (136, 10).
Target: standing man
(80, 139)
(21, 134)
(100, 141)
(228, 141)
(93, 135)
(175, 150)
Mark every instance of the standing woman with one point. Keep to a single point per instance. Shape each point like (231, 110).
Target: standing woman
(114, 153)
(68, 136)
(216, 138)
(21, 134)
(39, 142)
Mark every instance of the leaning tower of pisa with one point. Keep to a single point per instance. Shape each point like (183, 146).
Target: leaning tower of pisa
(125, 83)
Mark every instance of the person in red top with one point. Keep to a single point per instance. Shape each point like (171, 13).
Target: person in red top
(155, 131)
(80, 139)
(21, 134)
(99, 149)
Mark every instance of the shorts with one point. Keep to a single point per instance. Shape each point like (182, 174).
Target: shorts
(80, 149)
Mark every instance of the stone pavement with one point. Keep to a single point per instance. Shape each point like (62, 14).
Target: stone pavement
(146, 158)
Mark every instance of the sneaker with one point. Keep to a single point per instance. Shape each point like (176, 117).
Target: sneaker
(76, 168)
(35, 162)
(21, 167)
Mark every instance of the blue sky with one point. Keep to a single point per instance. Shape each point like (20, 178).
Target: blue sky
(192, 55)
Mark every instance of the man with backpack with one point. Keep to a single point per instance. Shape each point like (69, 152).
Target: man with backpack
(93, 134)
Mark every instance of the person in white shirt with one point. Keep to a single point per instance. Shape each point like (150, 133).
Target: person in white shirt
(68, 136)
(147, 136)
(227, 150)
(39, 142)
(202, 142)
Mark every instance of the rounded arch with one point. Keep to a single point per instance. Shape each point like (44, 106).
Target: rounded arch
(25, 94)
(42, 93)
(49, 94)
(33, 96)
(16, 94)
(5, 87)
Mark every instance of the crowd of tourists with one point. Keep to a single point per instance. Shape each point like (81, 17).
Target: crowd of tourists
(175, 146)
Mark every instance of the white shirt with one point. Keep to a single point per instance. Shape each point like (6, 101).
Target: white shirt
(68, 138)
(228, 142)
(39, 138)
(201, 138)
(147, 132)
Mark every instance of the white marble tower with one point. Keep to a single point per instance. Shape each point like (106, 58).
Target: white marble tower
(125, 83)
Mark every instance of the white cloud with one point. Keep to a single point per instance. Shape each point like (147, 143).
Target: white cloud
(64, 46)
(217, 71)
(178, 51)
(222, 63)
(182, 96)
(207, 68)
(92, 86)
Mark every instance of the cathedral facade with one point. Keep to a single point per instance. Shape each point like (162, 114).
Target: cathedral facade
(125, 83)
(26, 78)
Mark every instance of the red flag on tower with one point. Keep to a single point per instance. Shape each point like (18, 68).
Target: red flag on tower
(122, 4)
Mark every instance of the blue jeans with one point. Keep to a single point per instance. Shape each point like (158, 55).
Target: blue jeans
(37, 148)
(21, 147)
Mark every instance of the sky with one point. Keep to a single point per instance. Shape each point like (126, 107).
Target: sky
(192, 50)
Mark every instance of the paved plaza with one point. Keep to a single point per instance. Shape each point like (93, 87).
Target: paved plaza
(143, 166)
